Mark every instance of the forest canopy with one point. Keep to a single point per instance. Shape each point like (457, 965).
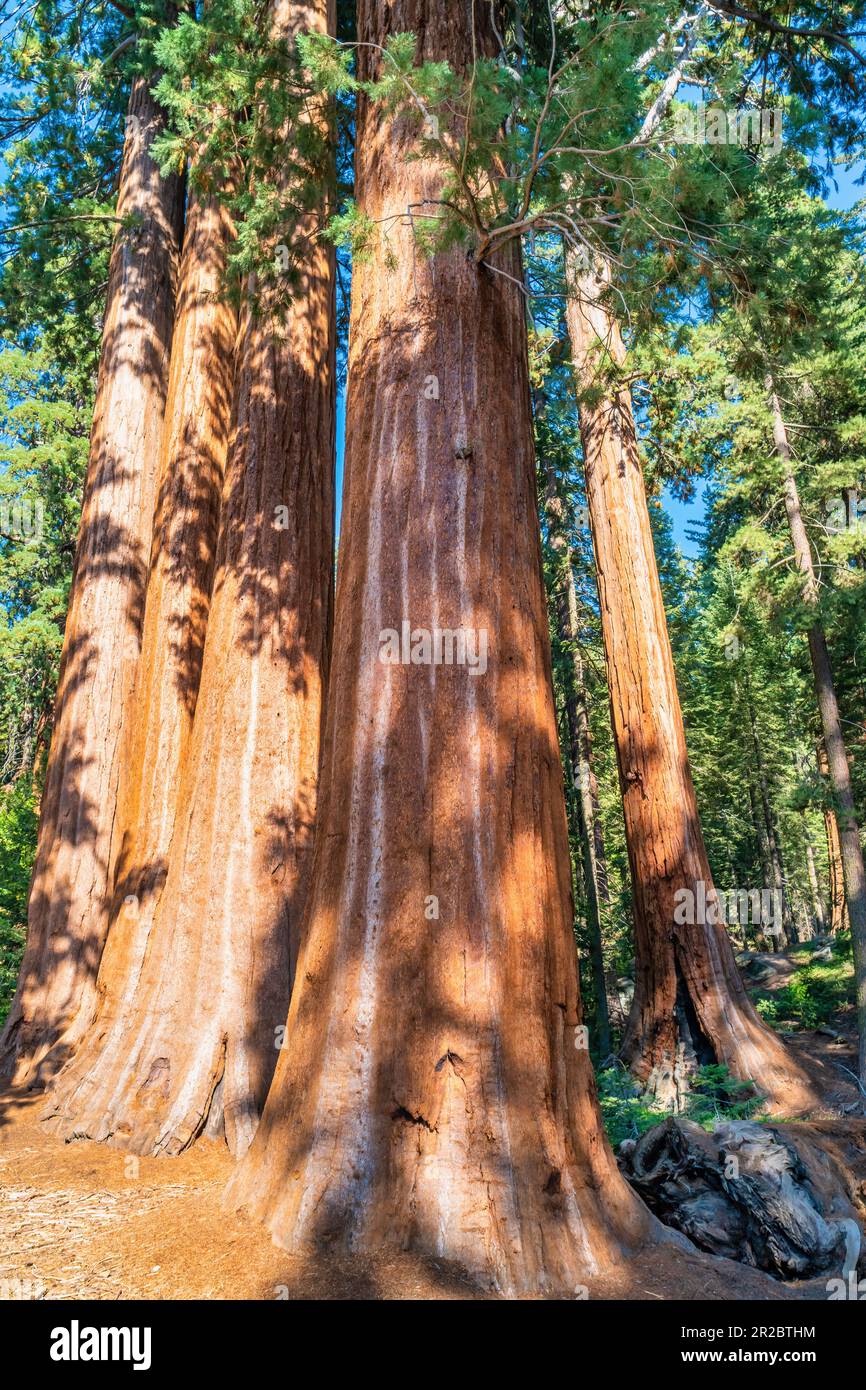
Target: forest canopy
(433, 582)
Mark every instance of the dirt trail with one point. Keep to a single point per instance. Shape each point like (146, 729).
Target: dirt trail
(86, 1221)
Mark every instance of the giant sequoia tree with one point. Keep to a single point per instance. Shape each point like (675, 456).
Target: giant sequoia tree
(797, 324)
(433, 1090)
(71, 889)
(690, 1003)
(329, 896)
(156, 744)
(204, 990)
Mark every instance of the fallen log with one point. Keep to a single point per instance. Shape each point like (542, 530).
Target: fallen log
(748, 1192)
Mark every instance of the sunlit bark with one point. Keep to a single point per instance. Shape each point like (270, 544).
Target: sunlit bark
(434, 1092)
(70, 897)
(690, 1004)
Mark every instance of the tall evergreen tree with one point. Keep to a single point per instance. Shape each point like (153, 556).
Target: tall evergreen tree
(205, 992)
(433, 1091)
(70, 894)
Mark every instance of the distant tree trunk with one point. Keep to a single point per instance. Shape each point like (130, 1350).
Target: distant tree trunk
(742, 942)
(41, 739)
(774, 848)
(817, 921)
(834, 742)
(70, 894)
(593, 839)
(156, 747)
(817, 905)
(760, 830)
(690, 1004)
(580, 757)
(200, 1046)
(838, 905)
(433, 1093)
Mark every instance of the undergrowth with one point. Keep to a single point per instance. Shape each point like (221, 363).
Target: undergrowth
(715, 1096)
(816, 994)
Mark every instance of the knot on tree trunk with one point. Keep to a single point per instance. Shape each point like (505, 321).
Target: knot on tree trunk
(749, 1193)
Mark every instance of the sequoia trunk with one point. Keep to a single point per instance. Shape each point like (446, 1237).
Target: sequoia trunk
(435, 1092)
(69, 900)
(211, 999)
(690, 1005)
(192, 463)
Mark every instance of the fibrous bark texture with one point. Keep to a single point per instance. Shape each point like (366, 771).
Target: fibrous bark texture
(690, 1005)
(192, 464)
(434, 1092)
(211, 998)
(70, 896)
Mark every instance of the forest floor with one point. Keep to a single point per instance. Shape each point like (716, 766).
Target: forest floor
(828, 1050)
(84, 1220)
(74, 1225)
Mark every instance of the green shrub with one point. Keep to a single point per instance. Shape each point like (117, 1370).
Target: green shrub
(625, 1112)
(715, 1096)
(817, 992)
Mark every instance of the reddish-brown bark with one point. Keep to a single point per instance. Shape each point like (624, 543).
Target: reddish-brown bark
(200, 1042)
(70, 894)
(690, 1004)
(430, 1094)
(192, 463)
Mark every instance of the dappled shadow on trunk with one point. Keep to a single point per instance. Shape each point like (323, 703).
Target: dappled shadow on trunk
(434, 1093)
(188, 1033)
(196, 984)
(68, 904)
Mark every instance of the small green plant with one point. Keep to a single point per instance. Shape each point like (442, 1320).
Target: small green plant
(624, 1110)
(768, 1008)
(716, 1095)
(18, 822)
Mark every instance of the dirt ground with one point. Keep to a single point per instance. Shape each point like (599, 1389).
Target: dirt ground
(84, 1220)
